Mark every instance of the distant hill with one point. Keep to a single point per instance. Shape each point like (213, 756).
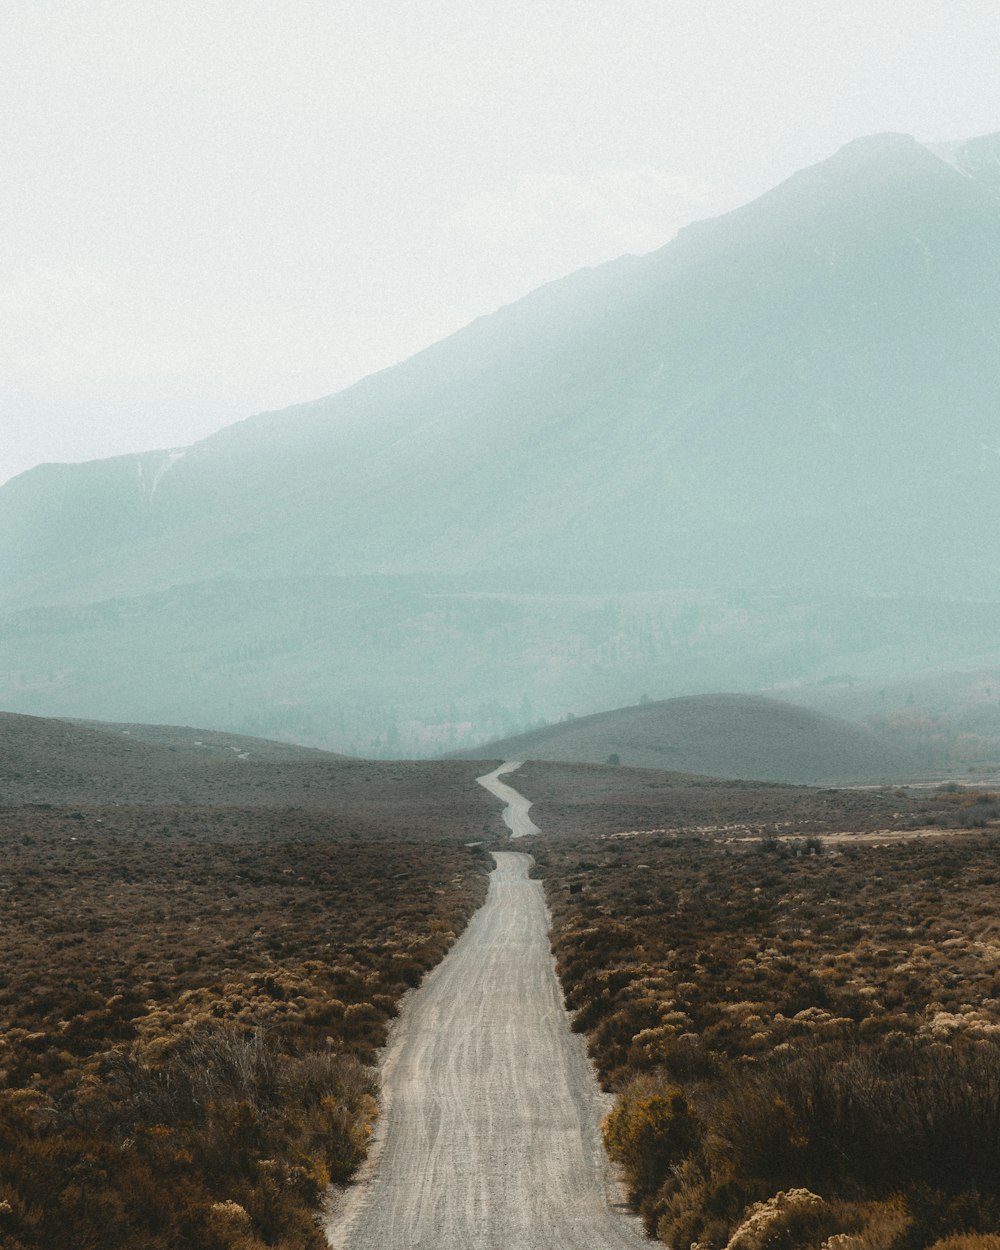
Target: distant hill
(206, 744)
(56, 761)
(765, 453)
(720, 735)
(167, 781)
(949, 719)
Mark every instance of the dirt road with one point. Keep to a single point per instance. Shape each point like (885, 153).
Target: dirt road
(490, 1136)
(515, 814)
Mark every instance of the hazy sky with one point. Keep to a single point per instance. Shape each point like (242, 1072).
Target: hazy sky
(215, 207)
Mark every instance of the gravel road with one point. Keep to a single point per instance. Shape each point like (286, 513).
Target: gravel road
(515, 814)
(490, 1134)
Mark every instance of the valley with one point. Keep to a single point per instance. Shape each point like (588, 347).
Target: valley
(592, 835)
(194, 995)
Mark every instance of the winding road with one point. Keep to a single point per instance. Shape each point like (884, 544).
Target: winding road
(515, 814)
(490, 1134)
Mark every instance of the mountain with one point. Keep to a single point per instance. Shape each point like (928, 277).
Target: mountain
(720, 735)
(790, 406)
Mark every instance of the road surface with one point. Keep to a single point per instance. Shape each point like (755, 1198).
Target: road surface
(515, 814)
(490, 1137)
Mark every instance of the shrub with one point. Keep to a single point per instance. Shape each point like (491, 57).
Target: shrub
(787, 1221)
(651, 1128)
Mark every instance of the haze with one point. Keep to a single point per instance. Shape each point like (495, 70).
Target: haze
(211, 211)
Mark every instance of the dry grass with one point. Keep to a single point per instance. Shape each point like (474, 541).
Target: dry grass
(778, 1010)
(189, 998)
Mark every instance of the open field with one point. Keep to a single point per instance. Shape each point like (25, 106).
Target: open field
(192, 990)
(586, 799)
(786, 1000)
(63, 762)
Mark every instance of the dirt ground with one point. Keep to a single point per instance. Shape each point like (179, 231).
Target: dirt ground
(491, 1127)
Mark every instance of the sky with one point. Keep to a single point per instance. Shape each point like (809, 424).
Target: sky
(212, 208)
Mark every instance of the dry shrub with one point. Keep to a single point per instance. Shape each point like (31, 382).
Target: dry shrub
(787, 1221)
(832, 1021)
(889, 1117)
(228, 1145)
(969, 1241)
(651, 1128)
(869, 1225)
(184, 1034)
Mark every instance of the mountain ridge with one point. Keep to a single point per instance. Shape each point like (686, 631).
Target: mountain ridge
(372, 442)
(796, 399)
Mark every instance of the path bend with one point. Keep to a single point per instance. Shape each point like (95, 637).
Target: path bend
(515, 813)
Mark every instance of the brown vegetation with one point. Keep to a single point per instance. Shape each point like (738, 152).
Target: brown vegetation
(189, 1000)
(782, 1012)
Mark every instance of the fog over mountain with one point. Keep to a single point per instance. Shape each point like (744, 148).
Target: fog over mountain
(767, 454)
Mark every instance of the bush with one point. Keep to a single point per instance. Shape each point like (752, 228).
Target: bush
(888, 1116)
(651, 1128)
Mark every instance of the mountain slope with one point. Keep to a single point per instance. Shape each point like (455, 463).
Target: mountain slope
(821, 361)
(722, 735)
(720, 465)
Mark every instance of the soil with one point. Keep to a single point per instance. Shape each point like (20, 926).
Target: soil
(492, 1115)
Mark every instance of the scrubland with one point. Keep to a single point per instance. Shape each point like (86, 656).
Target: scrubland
(798, 1010)
(794, 994)
(190, 999)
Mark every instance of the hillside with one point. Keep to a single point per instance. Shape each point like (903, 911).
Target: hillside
(124, 768)
(950, 718)
(737, 372)
(722, 735)
(764, 453)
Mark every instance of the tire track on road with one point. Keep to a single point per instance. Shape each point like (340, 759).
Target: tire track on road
(491, 1134)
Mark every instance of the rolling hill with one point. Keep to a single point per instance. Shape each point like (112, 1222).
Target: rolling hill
(50, 762)
(721, 735)
(766, 452)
